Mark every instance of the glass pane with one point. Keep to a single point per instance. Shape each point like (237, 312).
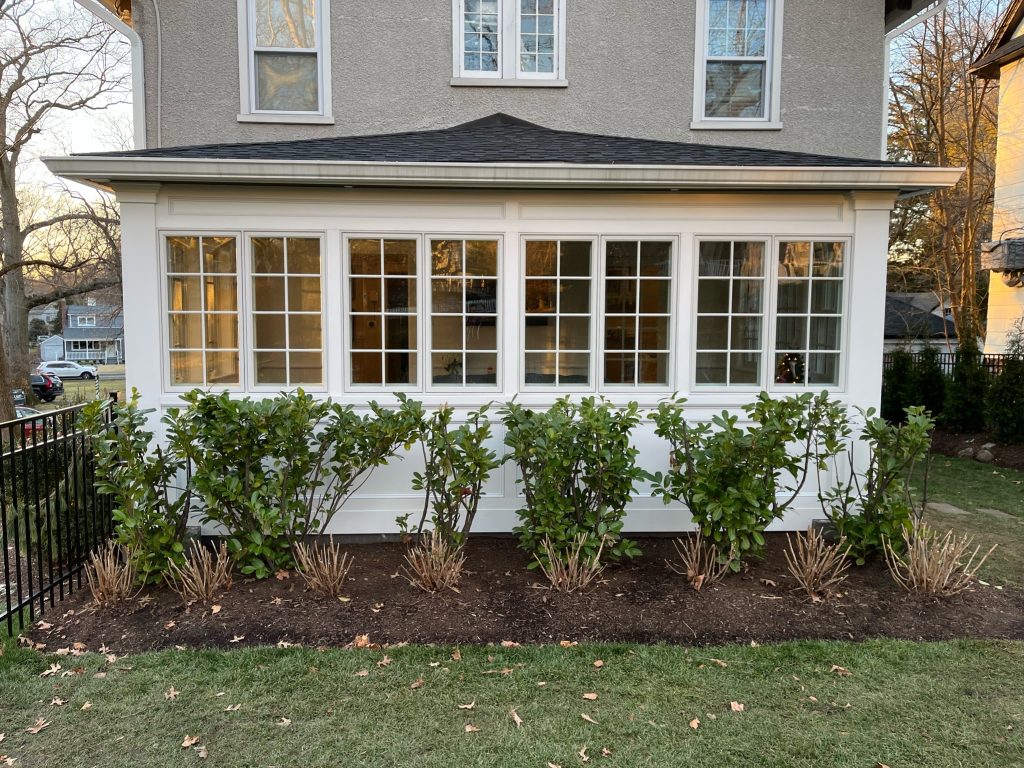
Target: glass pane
(366, 294)
(712, 333)
(792, 297)
(734, 89)
(653, 333)
(575, 259)
(481, 368)
(655, 259)
(271, 368)
(541, 296)
(575, 297)
(187, 368)
(540, 368)
(366, 332)
(653, 368)
(268, 254)
(794, 259)
(748, 260)
(304, 255)
(399, 257)
(546, 62)
(183, 254)
(619, 368)
(621, 259)
(219, 254)
(745, 368)
(304, 331)
(186, 332)
(366, 368)
(541, 258)
(305, 368)
(540, 333)
(713, 296)
(620, 333)
(711, 368)
(481, 333)
(620, 296)
(270, 333)
(364, 257)
(222, 331)
(446, 332)
(446, 257)
(825, 333)
(400, 332)
(304, 294)
(714, 259)
(268, 293)
(222, 367)
(654, 296)
(791, 333)
(400, 294)
(746, 295)
(482, 258)
(790, 368)
(446, 367)
(221, 294)
(184, 293)
(573, 368)
(400, 368)
(286, 23)
(574, 333)
(482, 296)
(287, 82)
(827, 297)
(746, 333)
(823, 369)
(828, 259)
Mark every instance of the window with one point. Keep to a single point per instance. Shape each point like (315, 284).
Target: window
(738, 62)
(202, 302)
(285, 70)
(637, 298)
(730, 312)
(286, 311)
(383, 289)
(464, 312)
(557, 314)
(509, 39)
(809, 307)
(87, 321)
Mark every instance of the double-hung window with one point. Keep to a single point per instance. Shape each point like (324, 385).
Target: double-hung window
(508, 41)
(87, 321)
(284, 60)
(738, 64)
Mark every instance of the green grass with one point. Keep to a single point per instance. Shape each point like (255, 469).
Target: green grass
(905, 704)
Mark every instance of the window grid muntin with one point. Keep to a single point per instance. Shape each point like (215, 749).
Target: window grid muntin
(475, 17)
(255, 50)
(510, 41)
(287, 312)
(594, 346)
(764, 60)
(545, 29)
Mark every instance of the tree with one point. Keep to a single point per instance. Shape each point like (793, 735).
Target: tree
(55, 59)
(941, 115)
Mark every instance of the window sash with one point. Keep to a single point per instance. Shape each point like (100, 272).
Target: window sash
(510, 40)
(766, 61)
(255, 51)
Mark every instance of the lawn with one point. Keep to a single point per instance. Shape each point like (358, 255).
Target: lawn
(903, 704)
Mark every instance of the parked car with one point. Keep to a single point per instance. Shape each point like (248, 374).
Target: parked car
(18, 396)
(67, 369)
(30, 427)
(46, 386)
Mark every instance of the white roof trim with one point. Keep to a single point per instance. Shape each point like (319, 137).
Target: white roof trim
(107, 171)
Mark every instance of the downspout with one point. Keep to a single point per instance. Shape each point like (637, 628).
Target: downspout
(906, 26)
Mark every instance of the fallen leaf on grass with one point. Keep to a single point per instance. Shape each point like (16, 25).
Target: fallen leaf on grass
(589, 719)
(171, 694)
(52, 670)
(470, 728)
(509, 644)
(86, 706)
(516, 719)
(100, 675)
(735, 706)
(719, 663)
(590, 696)
(471, 705)
(3, 736)
(58, 702)
(201, 752)
(232, 707)
(541, 684)
(554, 765)
(384, 661)
(456, 655)
(599, 663)
(417, 684)
(813, 699)
(695, 723)
(568, 643)
(189, 741)
(435, 664)
(284, 721)
(841, 671)
(504, 671)
(7, 760)
(881, 765)
(215, 609)
(362, 673)
(605, 752)
(237, 638)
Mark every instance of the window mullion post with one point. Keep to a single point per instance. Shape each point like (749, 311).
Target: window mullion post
(508, 43)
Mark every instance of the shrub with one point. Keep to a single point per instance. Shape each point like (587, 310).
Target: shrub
(434, 562)
(571, 571)
(150, 509)
(1004, 405)
(931, 382)
(111, 576)
(324, 568)
(933, 565)
(899, 385)
(963, 410)
(815, 564)
(730, 477)
(203, 575)
(699, 561)
(578, 471)
(877, 505)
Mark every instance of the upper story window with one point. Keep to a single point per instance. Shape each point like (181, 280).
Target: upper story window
(285, 63)
(738, 64)
(509, 41)
(87, 321)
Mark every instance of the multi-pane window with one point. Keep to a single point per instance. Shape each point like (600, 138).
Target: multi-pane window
(556, 331)
(464, 312)
(508, 39)
(202, 303)
(382, 280)
(287, 313)
(730, 312)
(637, 291)
(87, 321)
(286, 55)
(809, 308)
(736, 62)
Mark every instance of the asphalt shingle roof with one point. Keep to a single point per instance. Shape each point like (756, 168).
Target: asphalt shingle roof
(905, 321)
(501, 138)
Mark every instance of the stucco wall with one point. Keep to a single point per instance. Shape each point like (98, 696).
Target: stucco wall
(629, 73)
(1006, 305)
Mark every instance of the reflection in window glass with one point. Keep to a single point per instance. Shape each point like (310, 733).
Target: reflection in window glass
(537, 36)
(202, 303)
(736, 63)
(481, 35)
(286, 61)
(557, 315)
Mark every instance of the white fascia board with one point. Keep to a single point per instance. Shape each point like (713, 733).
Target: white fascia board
(107, 171)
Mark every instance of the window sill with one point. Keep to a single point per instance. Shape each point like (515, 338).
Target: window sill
(287, 118)
(735, 125)
(498, 82)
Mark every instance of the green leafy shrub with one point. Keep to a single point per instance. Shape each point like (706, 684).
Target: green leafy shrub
(578, 471)
(899, 385)
(1004, 405)
(931, 382)
(736, 480)
(150, 508)
(874, 507)
(963, 410)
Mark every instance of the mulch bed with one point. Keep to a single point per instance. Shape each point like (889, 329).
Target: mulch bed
(950, 444)
(640, 601)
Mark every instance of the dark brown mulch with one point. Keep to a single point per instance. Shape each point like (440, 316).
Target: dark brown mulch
(641, 601)
(1004, 455)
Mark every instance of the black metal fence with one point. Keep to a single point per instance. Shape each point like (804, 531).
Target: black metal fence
(946, 360)
(51, 515)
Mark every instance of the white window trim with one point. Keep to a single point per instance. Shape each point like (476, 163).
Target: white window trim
(508, 74)
(91, 321)
(247, 112)
(772, 121)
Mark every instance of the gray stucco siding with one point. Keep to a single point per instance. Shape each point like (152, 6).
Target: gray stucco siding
(628, 74)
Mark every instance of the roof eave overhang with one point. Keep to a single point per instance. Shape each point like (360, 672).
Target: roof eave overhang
(109, 172)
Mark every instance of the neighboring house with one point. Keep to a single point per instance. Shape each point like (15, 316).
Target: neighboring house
(93, 333)
(52, 348)
(475, 200)
(1003, 60)
(914, 321)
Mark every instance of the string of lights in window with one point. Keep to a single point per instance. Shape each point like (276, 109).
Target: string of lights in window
(791, 369)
